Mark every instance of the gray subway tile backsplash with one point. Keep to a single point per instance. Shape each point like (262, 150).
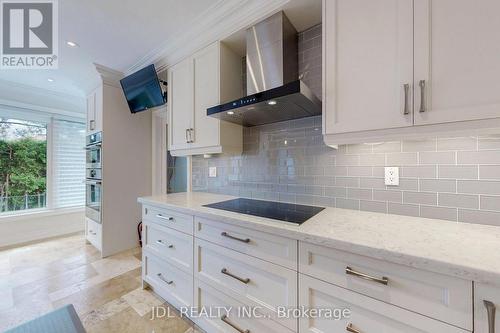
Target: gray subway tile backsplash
(352, 177)
(454, 179)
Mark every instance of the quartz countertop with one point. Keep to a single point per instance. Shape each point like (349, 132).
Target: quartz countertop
(468, 251)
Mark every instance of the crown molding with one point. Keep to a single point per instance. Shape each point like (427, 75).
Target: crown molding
(217, 22)
(109, 76)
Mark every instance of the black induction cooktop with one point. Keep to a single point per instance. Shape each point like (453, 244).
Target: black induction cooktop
(292, 213)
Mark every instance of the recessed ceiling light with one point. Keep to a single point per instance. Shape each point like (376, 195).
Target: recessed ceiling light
(230, 112)
(50, 80)
(72, 44)
(272, 102)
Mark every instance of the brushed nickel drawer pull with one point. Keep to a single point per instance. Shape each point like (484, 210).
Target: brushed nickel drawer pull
(422, 96)
(225, 320)
(244, 240)
(159, 241)
(491, 308)
(170, 218)
(406, 88)
(187, 140)
(351, 329)
(383, 280)
(225, 271)
(191, 135)
(163, 279)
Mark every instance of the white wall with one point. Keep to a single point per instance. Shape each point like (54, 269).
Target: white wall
(37, 226)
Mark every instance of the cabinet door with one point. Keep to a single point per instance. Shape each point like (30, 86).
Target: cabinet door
(99, 109)
(486, 298)
(206, 94)
(457, 48)
(91, 108)
(180, 104)
(368, 60)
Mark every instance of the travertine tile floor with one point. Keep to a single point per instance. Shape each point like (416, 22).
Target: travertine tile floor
(106, 293)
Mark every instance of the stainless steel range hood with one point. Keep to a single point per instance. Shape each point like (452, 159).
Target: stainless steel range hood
(274, 91)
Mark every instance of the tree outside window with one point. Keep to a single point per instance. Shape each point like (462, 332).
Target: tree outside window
(23, 165)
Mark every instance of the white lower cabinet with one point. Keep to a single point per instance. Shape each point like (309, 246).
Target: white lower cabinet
(366, 314)
(227, 314)
(169, 282)
(275, 249)
(438, 296)
(486, 308)
(252, 281)
(93, 233)
(243, 280)
(168, 218)
(169, 244)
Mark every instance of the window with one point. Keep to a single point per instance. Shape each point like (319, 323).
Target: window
(68, 163)
(23, 165)
(42, 162)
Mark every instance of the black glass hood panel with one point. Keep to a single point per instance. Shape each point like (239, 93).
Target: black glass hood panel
(291, 101)
(292, 213)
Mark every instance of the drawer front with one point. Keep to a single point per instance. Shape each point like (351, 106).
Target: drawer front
(169, 282)
(365, 313)
(169, 244)
(251, 281)
(487, 299)
(434, 295)
(210, 298)
(168, 218)
(94, 233)
(276, 249)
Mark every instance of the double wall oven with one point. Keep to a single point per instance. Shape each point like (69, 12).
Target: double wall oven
(93, 177)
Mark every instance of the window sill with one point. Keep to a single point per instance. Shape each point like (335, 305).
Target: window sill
(30, 214)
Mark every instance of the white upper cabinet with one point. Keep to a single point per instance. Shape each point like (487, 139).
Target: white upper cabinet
(457, 50)
(180, 100)
(396, 69)
(368, 60)
(195, 84)
(206, 94)
(94, 111)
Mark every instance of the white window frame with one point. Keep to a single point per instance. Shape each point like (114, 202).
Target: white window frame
(48, 119)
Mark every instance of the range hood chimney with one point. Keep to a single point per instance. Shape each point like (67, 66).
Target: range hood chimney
(274, 92)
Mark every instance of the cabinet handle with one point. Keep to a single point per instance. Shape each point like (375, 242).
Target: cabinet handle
(406, 110)
(92, 125)
(170, 218)
(225, 320)
(490, 307)
(383, 280)
(191, 135)
(187, 130)
(164, 280)
(159, 241)
(225, 271)
(244, 240)
(351, 329)
(422, 96)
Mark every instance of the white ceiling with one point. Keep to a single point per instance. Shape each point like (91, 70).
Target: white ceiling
(120, 33)
(113, 33)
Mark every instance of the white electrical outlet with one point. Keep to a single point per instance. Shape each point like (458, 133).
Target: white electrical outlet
(392, 176)
(212, 172)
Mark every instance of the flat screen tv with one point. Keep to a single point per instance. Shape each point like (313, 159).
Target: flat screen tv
(142, 90)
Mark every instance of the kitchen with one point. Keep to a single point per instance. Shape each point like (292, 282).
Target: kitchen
(299, 166)
(403, 153)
